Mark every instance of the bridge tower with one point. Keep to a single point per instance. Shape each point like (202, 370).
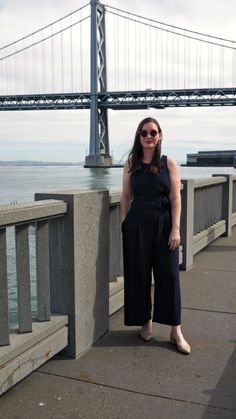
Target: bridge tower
(99, 153)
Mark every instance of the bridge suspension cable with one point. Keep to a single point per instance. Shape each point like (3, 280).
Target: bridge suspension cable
(148, 20)
(44, 27)
(158, 55)
(59, 32)
(143, 54)
(48, 60)
(123, 156)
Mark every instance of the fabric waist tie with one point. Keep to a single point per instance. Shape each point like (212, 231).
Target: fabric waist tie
(161, 203)
(158, 202)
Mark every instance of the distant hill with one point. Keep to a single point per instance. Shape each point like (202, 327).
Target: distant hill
(37, 163)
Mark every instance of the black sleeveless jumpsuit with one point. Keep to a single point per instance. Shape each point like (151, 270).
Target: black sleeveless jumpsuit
(145, 233)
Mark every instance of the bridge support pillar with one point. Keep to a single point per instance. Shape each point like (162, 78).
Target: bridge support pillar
(99, 153)
(98, 161)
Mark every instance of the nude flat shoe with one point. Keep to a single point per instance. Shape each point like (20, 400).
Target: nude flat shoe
(144, 335)
(184, 348)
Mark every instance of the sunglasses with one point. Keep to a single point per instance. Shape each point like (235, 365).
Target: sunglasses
(145, 133)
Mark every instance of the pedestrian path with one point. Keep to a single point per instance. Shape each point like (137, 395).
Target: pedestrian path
(122, 377)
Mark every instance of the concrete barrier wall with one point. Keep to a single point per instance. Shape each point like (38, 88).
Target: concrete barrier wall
(72, 282)
(79, 254)
(91, 226)
(207, 213)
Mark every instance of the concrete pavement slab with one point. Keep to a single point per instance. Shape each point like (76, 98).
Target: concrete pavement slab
(226, 241)
(206, 289)
(122, 360)
(45, 396)
(219, 255)
(217, 258)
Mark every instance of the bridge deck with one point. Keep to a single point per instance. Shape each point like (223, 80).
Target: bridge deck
(123, 377)
(122, 100)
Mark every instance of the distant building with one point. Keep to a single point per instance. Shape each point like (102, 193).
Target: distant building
(212, 158)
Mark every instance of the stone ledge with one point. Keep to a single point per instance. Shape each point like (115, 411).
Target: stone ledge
(20, 343)
(31, 211)
(28, 361)
(208, 235)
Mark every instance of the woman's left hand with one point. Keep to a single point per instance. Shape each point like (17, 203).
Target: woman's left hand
(174, 239)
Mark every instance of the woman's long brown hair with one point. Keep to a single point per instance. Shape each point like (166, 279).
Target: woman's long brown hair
(136, 154)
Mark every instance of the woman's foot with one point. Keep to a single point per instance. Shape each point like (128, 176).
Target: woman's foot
(176, 337)
(145, 333)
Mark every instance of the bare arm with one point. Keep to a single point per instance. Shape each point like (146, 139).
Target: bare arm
(175, 202)
(126, 195)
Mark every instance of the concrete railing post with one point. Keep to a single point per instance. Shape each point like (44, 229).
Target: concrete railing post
(227, 204)
(187, 219)
(79, 247)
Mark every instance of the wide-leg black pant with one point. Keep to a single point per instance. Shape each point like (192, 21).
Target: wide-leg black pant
(145, 233)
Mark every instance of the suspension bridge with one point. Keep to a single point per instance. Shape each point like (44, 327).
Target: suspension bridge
(99, 57)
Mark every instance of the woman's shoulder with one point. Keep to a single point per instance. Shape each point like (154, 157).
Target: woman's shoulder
(171, 163)
(127, 165)
(173, 168)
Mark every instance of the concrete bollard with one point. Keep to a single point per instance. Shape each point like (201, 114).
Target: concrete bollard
(79, 266)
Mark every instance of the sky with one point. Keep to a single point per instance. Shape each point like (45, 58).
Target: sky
(61, 135)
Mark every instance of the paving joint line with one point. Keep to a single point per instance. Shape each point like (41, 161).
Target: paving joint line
(208, 311)
(136, 392)
(200, 268)
(221, 246)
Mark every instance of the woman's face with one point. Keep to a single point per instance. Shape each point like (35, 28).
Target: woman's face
(149, 136)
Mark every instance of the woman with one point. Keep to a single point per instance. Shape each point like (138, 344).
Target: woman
(150, 214)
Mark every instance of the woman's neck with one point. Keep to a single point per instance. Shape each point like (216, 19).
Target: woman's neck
(147, 156)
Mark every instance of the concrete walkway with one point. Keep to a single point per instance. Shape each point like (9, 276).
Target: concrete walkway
(122, 377)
